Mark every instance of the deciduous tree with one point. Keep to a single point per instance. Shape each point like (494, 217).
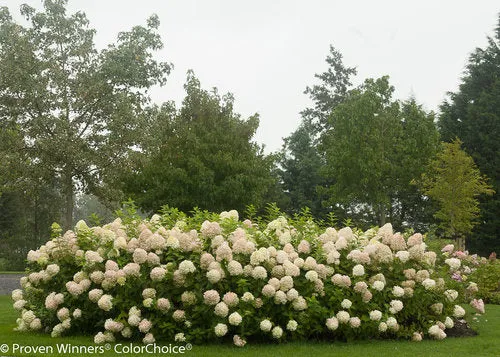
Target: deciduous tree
(300, 160)
(78, 110)
(201, 155)
(374, 147)
(455, 183)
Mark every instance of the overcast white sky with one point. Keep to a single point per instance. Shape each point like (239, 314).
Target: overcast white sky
(267, 51)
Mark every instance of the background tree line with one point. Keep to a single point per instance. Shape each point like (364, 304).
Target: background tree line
(79, 135)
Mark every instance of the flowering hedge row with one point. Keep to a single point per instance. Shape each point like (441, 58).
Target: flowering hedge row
(184, 280)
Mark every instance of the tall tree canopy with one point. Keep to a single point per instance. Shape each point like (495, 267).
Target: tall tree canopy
(331, 90)
(473, 115)
(76, 110)
(201, 155)
(300, 161)
(300, 164)
(374, 147)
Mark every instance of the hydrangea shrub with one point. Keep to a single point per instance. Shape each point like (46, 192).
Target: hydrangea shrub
(172, 278)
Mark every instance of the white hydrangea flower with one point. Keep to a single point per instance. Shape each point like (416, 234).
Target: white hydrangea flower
(247, 297)
(149, 293)
(429, 283)
(378, 285)
(220, 330)
(17, 294)
(235, 319)
(375, 315)
(286, 283)
(458, 311)
(292, 325)
(396, 306)
(312, 275)
(214, 276)
(77, 313)
(355, 322)
(453, 263)
(343, 317)
(392, 323)
(179, 337)
(99, 338)
(332, 323)
(451, 295)
(436, 332)
(277, 332)
(292, 294)
(398, 291)
(221, 309)
(259, 272)
(148, 339)
(105, 302)
(186, 267)
(346, 304)
(358, 270)
(403, 255)
(266, 325)
(234, 267)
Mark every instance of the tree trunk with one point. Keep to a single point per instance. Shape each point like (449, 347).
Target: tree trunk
(68, 202)
(35, 222)
(381, 215)
(460, 243)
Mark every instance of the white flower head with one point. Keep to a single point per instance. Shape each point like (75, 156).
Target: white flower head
(235, 319)
(277, 332)
(378, 285)
(292, 325)
(375, 315)
(346, 304)
(398, 291)
(458, 311)
(358, 270)
(266, 325)
(220, 330)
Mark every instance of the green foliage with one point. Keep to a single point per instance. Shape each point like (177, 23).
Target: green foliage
(129, 212)
(77, 111)
(435, 244)
(272, 212)
(201, 155)
(373, 148)
(332, 89)
(473, 115)
(89, 207)
(55, 230)
(24, 222)
(300, 160)
(300, 164)
(487, 277)
(454, 182)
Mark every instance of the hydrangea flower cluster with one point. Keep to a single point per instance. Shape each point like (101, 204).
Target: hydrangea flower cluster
(226, 279)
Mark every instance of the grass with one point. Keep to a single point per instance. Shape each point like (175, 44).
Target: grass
(487, 343)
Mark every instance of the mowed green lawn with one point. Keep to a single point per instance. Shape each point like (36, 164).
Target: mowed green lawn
(487, 343)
